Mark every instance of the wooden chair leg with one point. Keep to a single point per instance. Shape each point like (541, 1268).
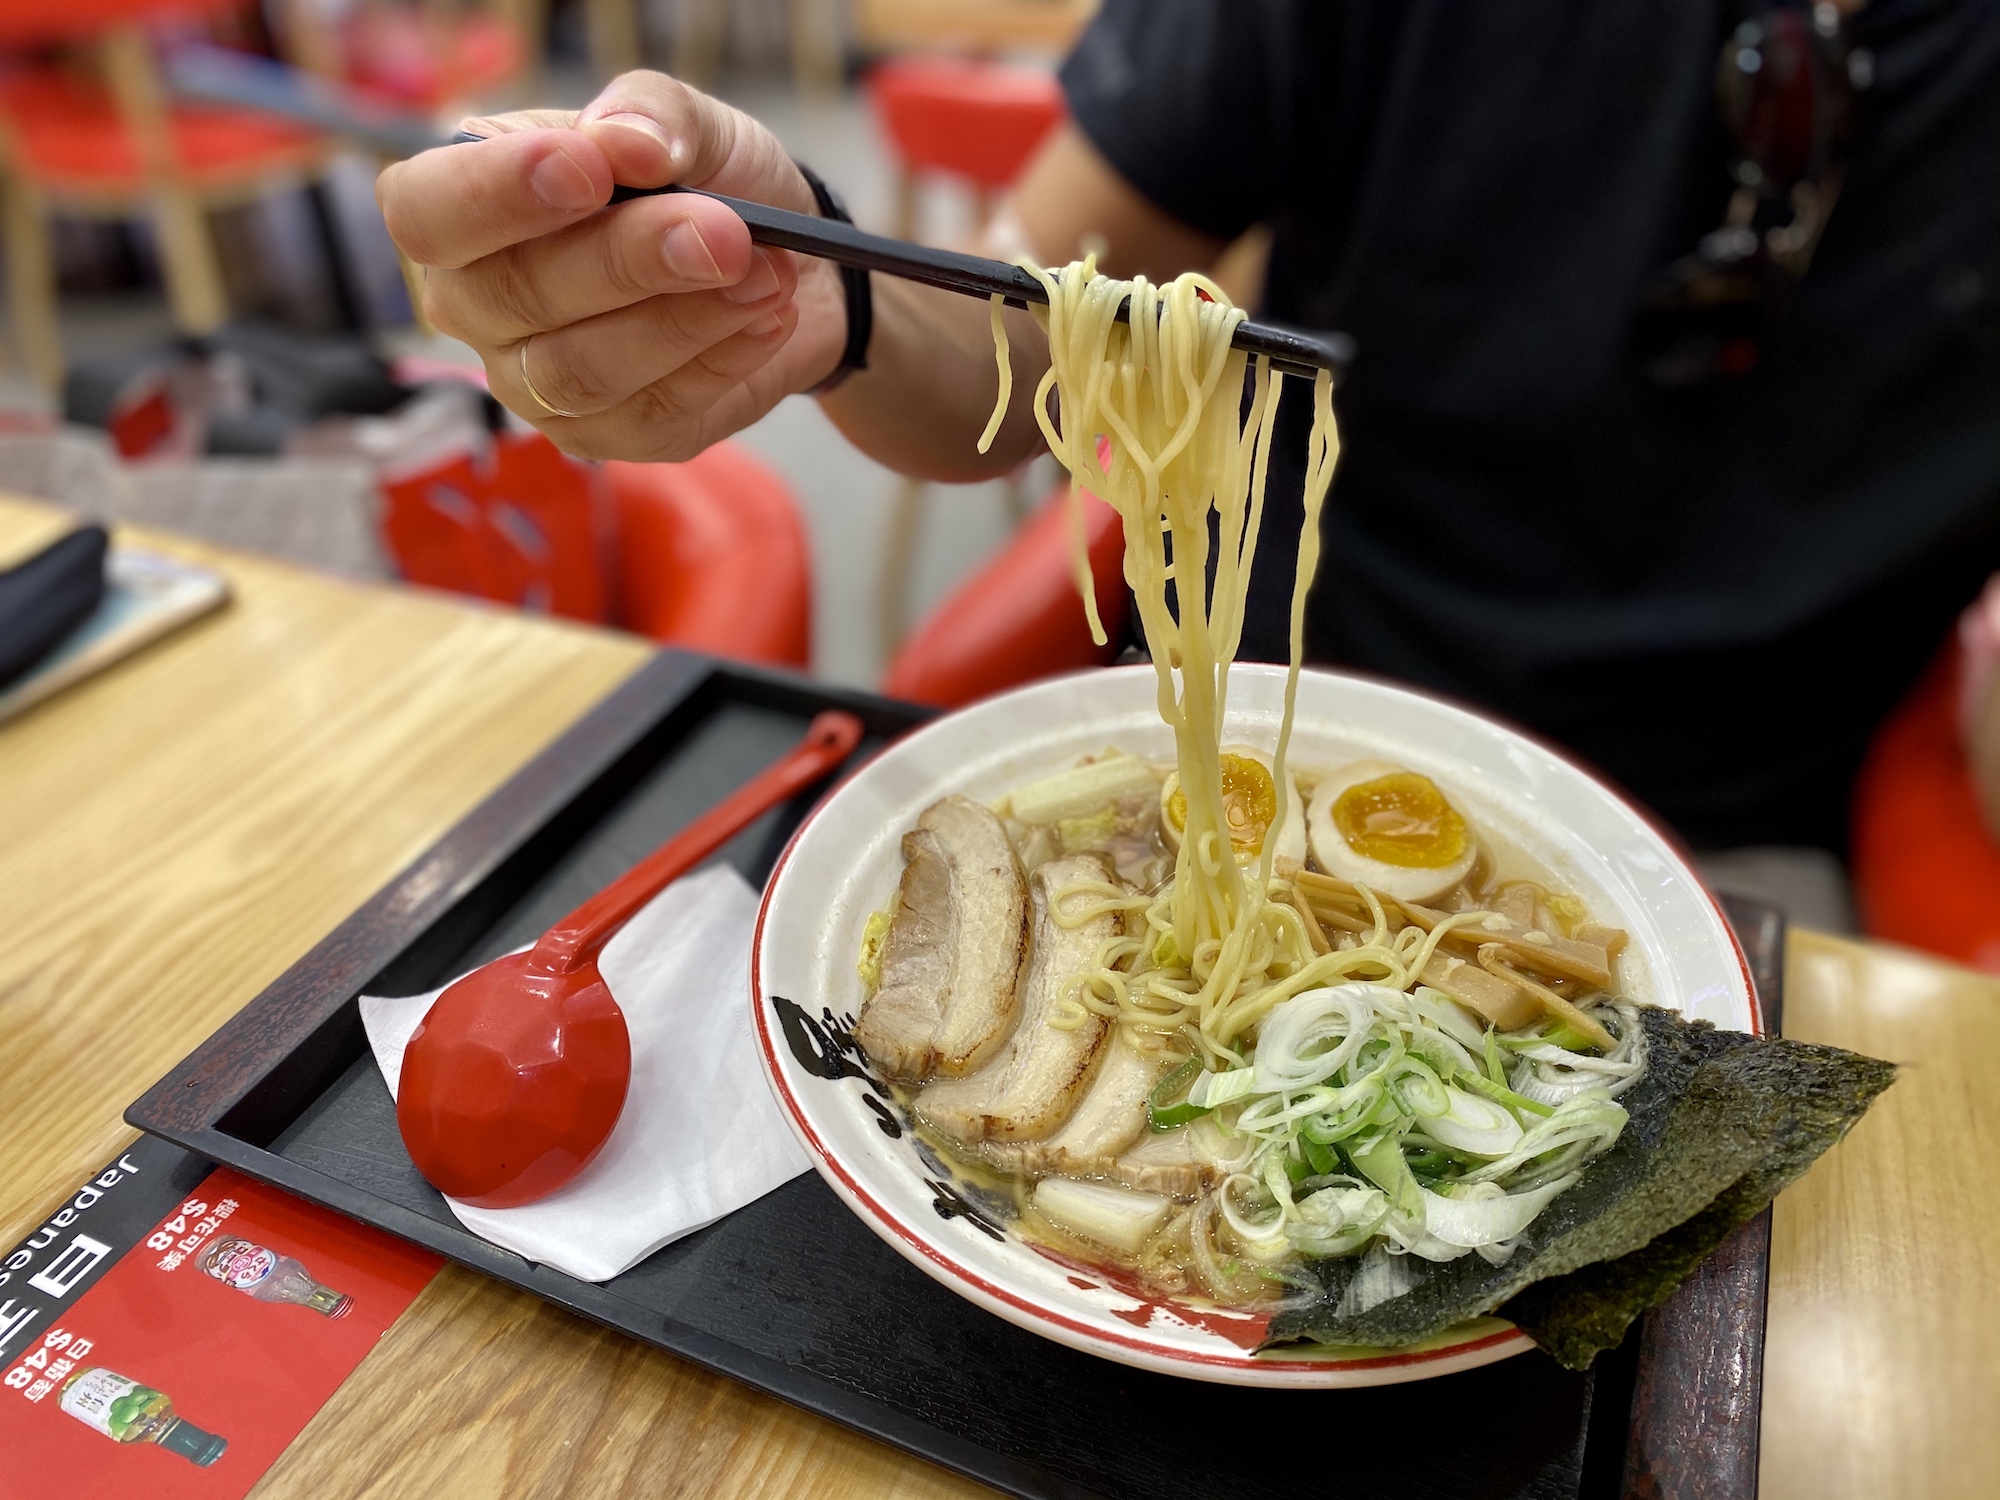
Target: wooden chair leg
(196, 295)
(699, 32)
(530, 20)
(613, 30)
(815, 29)
(1014, 495)
(195, 289)
(899, 559)
(906, 204)
(31, 284)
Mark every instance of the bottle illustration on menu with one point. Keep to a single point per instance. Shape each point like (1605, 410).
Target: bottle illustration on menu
(270, 1277)
(127, 1412)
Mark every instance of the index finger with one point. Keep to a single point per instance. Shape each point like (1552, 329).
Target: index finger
(454, 204)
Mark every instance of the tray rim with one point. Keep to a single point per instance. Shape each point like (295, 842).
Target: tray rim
(189, 1103)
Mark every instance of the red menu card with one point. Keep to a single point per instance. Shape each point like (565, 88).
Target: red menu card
(172, 1339)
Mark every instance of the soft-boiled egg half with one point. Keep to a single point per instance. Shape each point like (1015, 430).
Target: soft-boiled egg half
(1387, 827)
(1249, 805)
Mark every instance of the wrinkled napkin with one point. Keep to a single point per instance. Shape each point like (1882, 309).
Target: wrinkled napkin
(700, 1136)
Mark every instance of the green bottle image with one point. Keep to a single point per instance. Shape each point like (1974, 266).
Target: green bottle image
(127, 1412)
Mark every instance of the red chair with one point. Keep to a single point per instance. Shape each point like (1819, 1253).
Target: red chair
(979, 122)
(1926, 871)
(712, 555)
(709, 554)
(520, 524)
(1018, 618)
(106, 140)
(963, 117)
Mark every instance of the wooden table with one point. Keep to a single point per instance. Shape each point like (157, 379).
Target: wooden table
(174, 833)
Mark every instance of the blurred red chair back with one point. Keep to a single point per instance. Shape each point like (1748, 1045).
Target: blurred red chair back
(520, 525)
(426, 58)
(69, 137)
(1018, 618)
(1926, 871)
(712, 555)
(976, 120)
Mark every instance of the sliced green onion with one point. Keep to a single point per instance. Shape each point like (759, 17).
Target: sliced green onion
(1501, 1094)
(1381, 1162)
(1325, 1161)
(1164, 1117)
(1570, 1040)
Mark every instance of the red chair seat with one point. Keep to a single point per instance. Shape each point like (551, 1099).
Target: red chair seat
(407, 57)
(977, 120)
(68, 137)
(32, 23)
(712, 555)
(1018, 618)
(1926, 871)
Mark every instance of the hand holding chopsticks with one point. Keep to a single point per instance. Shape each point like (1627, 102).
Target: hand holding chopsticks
(1290, 350)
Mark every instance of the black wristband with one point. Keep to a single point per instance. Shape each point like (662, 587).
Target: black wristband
(853, 281)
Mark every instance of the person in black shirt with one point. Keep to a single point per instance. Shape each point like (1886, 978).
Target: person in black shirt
(1710, 587)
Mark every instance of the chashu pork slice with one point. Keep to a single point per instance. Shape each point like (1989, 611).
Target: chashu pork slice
(1107, 1138)
(1108, 1120)
(1182, 1163)
(1035, 1081)
(952, 957)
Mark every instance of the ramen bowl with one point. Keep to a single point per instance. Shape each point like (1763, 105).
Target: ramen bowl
(845, 861)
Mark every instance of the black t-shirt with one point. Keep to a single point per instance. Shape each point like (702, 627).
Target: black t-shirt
(1713, 594)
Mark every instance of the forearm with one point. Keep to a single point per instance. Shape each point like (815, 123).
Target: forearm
(930, 385)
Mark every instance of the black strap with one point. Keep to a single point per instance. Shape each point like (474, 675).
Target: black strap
(853, 281)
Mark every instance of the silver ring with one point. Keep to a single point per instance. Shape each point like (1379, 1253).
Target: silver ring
(540, 400)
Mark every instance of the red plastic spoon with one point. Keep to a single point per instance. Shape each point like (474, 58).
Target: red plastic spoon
(517, 1073)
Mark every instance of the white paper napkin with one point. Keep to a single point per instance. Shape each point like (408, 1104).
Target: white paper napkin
(700, 1136)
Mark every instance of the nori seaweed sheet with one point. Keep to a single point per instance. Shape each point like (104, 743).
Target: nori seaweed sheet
(1720, 1123)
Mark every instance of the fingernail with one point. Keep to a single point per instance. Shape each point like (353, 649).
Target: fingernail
(686, 254)
(759, 283)
(562, 184)
(647, 126)
(764, 327)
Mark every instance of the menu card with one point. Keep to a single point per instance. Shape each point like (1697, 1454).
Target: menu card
(173, 1326)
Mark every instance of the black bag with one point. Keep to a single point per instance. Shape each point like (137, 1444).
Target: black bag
(48, 596)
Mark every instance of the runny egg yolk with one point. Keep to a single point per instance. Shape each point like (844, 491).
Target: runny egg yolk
(1249, 803)
(1400, 819)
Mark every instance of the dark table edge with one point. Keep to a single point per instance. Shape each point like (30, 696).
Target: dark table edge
(1696, 1424)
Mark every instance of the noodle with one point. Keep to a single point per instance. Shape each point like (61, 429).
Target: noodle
(1376, 1100)
(1150, 417)
(999, 326)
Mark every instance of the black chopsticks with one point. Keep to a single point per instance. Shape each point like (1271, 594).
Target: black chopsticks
(1289, 350)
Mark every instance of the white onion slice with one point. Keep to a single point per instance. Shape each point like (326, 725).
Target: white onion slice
(1476, 1126)
(1473, 1217)
(1122, 1218)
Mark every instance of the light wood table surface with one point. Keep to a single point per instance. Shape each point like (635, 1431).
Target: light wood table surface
(175, 833)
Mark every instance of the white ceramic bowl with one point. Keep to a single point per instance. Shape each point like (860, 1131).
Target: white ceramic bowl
(845, 861)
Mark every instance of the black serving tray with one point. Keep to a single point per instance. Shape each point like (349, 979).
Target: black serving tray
(795, 1296)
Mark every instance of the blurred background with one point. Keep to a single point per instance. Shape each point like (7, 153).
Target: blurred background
(207, 328)
(208, 331)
